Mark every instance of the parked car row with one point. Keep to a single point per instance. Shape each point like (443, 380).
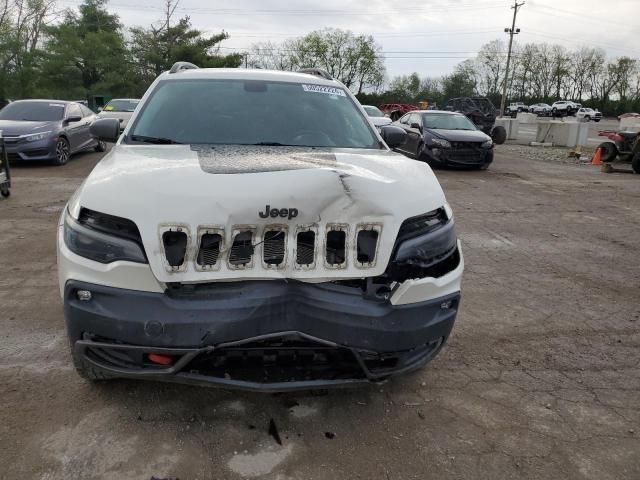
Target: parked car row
(557, 109)
(53, 130)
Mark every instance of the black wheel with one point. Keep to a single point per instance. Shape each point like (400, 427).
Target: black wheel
(86, 371)
(484, 166)
(596, 119)
(635, 163)
(101, 146)
(609, 151)
(62, 152)
(499, 135)
(5, 192)
(587, 118)
(554, 111)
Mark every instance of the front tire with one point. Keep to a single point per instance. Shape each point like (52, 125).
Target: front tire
(499, 135)
(63, 151)
(609, 151)
(5, 192)
(635, 163)
(587, 118)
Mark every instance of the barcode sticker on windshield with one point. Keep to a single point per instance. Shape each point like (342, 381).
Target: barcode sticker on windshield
(323, 89)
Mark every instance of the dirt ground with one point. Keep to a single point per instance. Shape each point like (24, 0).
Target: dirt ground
(540, 380)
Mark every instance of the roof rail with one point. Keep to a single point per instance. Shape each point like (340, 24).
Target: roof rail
(318, 72)
(179, 66)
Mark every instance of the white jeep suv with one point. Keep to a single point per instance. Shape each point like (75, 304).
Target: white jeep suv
(251, 229)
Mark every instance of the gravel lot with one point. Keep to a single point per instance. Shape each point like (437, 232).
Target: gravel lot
(540, 380)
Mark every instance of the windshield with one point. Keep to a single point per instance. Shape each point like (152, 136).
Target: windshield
(251, 112)
(447, 122)
(33, 111)
(121, 105)
(373, 111)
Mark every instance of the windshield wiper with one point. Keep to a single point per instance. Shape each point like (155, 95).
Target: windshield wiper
(154, 140)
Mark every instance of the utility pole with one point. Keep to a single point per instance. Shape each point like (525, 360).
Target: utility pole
(511, 31)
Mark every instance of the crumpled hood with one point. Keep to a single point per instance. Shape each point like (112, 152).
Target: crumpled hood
(228, 186)
(20, 127)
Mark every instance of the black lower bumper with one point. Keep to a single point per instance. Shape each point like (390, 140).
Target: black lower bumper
(460, 158)
(295, 335)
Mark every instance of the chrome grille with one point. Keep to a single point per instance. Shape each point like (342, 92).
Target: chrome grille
(305, 251)
(273, 247)
(242, 249)
(209, 250)
(336, 246)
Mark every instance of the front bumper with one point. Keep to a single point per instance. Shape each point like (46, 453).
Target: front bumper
(296, 335)
(44, 149)
(460, 158)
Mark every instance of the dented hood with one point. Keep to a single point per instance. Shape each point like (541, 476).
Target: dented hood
(228, 186)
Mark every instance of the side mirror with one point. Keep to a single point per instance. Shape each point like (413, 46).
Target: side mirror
(416, 125)
(99, 109)
(73, 119)
(107, 129)
(393, 136)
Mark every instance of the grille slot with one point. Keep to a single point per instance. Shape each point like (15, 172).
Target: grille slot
(305, 251)
(366, 244)
(209, 250)
(175, 247)
(241, 249)
(336, 247)
(273, 247)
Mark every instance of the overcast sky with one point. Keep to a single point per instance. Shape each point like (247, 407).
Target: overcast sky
(442, 32)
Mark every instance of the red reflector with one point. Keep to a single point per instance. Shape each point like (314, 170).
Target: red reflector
(160, 359)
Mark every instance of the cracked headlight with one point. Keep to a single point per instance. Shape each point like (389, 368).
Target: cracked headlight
(103, 238)
(441, 142)
(426, 247)
(34, 137)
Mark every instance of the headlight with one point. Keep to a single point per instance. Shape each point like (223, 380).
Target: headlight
(90, 239)
(487, 144)
(426, 247)
(34, 137)
(440, 142)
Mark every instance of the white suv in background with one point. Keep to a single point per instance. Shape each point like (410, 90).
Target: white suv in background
(566, 107)
(589, 114)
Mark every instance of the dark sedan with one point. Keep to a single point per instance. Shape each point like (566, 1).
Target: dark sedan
(445, 138)
(49, 130)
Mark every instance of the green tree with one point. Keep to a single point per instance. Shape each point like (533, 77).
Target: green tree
(86, 51)
(156, 48)
(355, 60)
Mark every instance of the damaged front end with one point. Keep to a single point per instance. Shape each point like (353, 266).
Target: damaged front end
(277, 335)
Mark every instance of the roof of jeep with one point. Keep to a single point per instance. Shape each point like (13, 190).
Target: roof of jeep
(245, 74)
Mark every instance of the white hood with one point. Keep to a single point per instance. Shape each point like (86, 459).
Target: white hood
(225, 187)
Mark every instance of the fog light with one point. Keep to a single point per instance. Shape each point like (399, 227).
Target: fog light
(84, 295)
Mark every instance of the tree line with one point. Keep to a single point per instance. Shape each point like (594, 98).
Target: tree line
(540, 73)
(48, 52)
